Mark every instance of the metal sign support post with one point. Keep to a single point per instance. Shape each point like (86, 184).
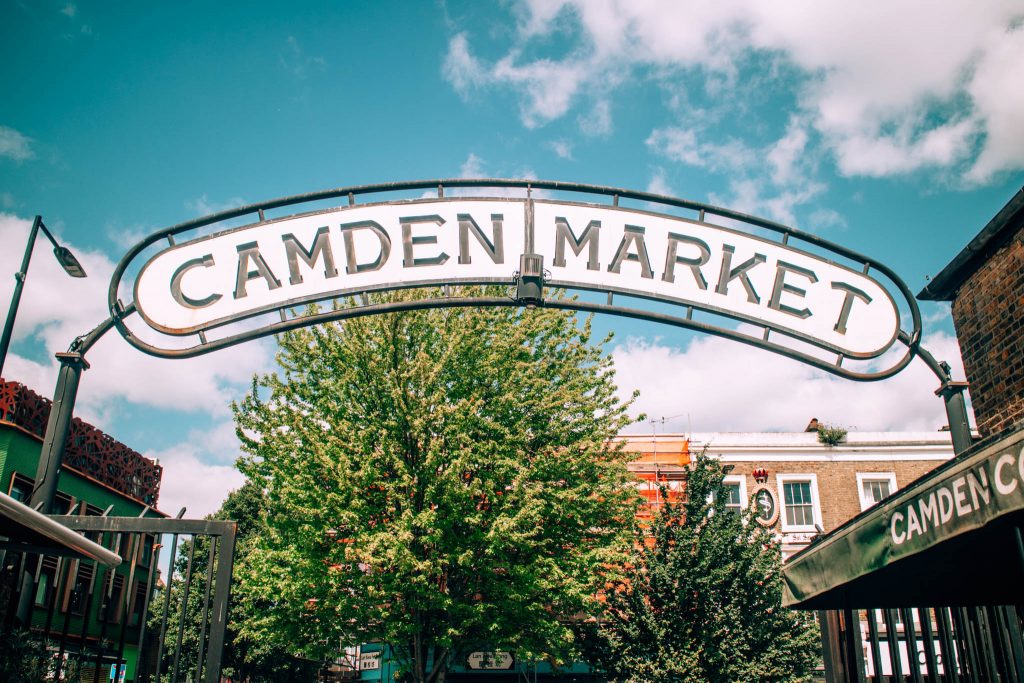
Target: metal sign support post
(952, 394)
(51, 455)
(956, 412)
(57, 427)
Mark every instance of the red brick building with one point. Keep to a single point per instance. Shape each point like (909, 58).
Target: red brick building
(814, 486)
(985, 283)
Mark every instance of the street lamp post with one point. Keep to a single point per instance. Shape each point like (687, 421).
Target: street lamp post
(65, 258)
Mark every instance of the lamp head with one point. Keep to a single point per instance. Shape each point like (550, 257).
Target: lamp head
(68, 261)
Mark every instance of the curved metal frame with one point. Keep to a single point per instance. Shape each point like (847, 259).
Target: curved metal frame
(73, 363)
(910, 338)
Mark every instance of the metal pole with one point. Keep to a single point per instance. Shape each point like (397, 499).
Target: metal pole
(184, 606)
(141, 662)
(952, 394)
(221, 603)
(5, 340)
(51, 455)
(210, 554)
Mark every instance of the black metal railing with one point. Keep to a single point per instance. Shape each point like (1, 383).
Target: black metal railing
(157, 619)
(977, 644)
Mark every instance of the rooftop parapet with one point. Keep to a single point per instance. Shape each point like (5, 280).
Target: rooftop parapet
(90, 451)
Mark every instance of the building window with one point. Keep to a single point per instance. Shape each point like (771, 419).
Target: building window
(800, 507)
(21, 488)
(43, 589)
(79, 589)
(147, 550)
(139, 603)
(47, 574)
(112, 604)
(873, 487)
(735, 492)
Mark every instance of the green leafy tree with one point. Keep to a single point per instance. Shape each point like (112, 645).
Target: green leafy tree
(242, 660)
(21, 657)
(702, 599)
(439, 481)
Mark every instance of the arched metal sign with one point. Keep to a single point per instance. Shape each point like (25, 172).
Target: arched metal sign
(659, 258)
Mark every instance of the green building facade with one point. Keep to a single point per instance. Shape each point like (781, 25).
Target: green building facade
(77, 603)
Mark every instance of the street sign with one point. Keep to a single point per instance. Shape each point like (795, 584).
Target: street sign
(712, 270)
(492, 661)
(227, 277)
(369, 661)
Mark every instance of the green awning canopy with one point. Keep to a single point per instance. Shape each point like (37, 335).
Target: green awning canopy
(950, 538)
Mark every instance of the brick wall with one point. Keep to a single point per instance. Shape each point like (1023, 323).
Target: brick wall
(837, 481)
(989, 316)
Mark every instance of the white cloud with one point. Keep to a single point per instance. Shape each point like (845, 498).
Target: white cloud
(775, 189)
(476, 167)
(549, 86)
(294, 60)
(460, 68)
(561, 148)
(824, 219)
(996, 91)
(204, 206)
(191, 480)
(597, 121)
(126, 235)
(56, 308)
(890, 88)
(658, 184)
(472, 167)
(14, 145)
(784, 156)
(872, 153)
(711, 386)
(686, 146)
(69, 10)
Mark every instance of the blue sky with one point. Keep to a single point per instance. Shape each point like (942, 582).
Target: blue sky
(895, 129)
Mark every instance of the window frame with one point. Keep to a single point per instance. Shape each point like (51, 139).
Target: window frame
(43, 590)
(740, 479)
(23, 485)
(811, 479)
(862, 477)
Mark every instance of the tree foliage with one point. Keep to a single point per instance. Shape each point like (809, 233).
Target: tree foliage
(242, 660)
(702, 599)
(21, 657)
(440, 481)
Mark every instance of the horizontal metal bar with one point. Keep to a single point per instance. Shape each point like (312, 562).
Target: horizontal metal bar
(39, 550)
(425, 304)
(49, 527)
(151, 525)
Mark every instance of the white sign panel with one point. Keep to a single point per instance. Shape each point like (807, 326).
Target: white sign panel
(495, 661)
(369, 661)
(213, 280)
(201, 283)
(716, 269)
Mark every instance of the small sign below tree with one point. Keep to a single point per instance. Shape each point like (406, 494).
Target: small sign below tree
(490, 660)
